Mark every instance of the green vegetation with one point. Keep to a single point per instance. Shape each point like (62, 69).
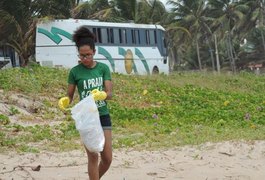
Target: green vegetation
(147, 111)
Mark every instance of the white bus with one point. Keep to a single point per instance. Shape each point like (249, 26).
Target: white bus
(126, 48)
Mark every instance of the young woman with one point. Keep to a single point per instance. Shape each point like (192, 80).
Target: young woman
(89, 76)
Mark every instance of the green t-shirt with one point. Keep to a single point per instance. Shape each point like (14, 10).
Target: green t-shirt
(88, 79)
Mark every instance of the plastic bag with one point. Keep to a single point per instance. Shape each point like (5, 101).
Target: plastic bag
(86, 116)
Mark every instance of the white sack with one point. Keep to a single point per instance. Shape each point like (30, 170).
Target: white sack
(86, 116)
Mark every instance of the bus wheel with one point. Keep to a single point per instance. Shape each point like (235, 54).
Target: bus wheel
(155, 70)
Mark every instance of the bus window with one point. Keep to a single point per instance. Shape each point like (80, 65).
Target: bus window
(147, 35)
(116, 34)
(164, 44)
(137, 37)
(99, 36)
(104, 35)
(142, 35)
(133, 36)
(110, 35)
(123, 37)
(95, 33)
(152, 37)
(128, 36)
(155, 37)
(120, 36)
(164, 41)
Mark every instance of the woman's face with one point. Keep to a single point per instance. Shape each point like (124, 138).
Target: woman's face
(86, 55)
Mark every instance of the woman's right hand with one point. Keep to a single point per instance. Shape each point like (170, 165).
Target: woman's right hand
(99, 95)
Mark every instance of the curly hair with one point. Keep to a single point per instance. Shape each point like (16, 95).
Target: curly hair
(83, 36)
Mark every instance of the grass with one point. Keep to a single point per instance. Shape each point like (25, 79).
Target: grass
(148, 112)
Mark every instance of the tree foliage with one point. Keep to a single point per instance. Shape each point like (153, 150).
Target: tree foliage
(191, 26)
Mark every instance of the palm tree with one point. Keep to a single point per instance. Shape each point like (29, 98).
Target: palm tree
(255, 18)
(18, 20)
(229, 18)
(75, 2)
(17, 27)
(52, 8)
(139, 11)
(191, 15)
(127, 9)
(152, 11)
(102, 10)
(177, 38)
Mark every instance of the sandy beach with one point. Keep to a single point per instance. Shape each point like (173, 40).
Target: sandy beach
(224, 160)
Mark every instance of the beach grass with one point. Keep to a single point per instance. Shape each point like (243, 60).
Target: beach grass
(148, 112)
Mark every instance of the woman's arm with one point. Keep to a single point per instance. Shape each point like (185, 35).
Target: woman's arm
(71, 91)
(108, 89)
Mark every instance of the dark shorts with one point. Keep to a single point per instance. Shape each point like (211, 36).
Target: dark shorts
(105, 122)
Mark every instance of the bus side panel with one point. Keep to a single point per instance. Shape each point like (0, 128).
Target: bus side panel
(142, 60)
(55, 33)
(61, 56)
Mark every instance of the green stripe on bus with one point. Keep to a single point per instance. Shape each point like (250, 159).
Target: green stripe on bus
(107, 55)
(54, 34)
(122, 51)
(141, 56)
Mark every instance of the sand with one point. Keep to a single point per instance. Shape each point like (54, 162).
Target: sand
(230, 160)
(225, 160)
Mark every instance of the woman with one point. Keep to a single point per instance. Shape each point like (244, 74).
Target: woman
(89, 76)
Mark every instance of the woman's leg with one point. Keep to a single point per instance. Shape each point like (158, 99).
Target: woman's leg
(92, 165)
(106, 154)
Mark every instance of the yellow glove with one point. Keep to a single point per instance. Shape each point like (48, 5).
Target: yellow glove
(94, 91)
(64, 103)
(99, 95)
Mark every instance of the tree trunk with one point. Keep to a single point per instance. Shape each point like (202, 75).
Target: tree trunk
(262, 25)
(211, 53)
(217, 54)
(22, 62)
(263, 41)
(230, 52)
(171, 60)
(198, 54)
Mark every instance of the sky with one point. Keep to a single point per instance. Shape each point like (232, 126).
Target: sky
(165, 4)
(164, 1)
